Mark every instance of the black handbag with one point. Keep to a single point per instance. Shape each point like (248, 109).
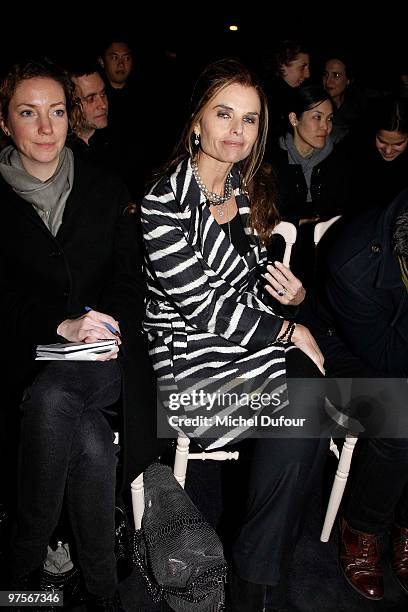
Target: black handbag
(177, 551)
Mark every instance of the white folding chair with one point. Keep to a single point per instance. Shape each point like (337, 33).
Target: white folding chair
(322, 227)
(137, 493)
(339, 483)
(180, 469)
(343, 466)
(288, 231)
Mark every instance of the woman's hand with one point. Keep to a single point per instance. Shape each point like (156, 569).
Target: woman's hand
(303, 339)
(90, 328)
(283, 285)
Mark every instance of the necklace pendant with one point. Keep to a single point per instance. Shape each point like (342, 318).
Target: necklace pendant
(213, 198)
(220, 211)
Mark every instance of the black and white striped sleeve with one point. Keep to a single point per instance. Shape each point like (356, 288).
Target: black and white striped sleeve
(203, 299)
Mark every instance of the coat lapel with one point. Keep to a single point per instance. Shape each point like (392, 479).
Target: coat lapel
(208, 238)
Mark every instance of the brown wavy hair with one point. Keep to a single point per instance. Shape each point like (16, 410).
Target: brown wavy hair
(256, 179)
(47, 69)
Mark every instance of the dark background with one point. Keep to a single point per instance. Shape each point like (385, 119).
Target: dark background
(193, 34)
(172, 44)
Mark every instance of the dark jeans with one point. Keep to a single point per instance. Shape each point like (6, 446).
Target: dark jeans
(379, 491)
(66, 449)
(281, 473)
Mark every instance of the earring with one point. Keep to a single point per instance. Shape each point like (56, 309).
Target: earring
(197, 139)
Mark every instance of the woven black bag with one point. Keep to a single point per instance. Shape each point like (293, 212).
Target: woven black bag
(177, 552)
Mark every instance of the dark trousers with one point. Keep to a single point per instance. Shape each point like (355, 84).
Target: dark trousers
(377, 491)
(66, 450)
(281, 473)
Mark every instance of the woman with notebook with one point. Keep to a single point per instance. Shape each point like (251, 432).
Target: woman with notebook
(70, 271)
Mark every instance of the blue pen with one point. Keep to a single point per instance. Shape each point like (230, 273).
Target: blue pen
(106, 324)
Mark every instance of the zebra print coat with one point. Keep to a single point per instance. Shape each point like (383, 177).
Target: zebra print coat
(206, 324)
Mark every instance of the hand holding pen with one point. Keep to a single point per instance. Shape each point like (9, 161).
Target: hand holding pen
(114, 330)
(90, 327)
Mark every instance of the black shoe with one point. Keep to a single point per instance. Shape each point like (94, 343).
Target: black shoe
(100, 603)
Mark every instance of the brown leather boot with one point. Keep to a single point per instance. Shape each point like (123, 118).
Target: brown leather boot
(399, 554)
(360, 561)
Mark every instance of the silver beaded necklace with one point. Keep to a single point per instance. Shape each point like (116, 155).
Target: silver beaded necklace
(214, 198)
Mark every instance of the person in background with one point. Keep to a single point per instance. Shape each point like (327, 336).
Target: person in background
(365, 290)
(116, 60)
(132, 137)
(350, 103)
(381, 166)
(91, 138)
(71, 270)
(205, 225)
(90, 89)
(313, 175)
(288, 68)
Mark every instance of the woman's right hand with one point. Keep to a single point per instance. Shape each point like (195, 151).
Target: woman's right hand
(91, 327)
(303, 339)
(283, 285)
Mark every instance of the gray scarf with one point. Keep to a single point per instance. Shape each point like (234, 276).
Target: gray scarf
(307, 163)
(47, 197)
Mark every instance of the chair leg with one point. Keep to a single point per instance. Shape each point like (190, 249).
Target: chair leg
(339, 485)
(138, 500)
(181, 459)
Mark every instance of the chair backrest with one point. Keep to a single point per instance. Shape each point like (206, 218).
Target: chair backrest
(289, 232)
(322, 227)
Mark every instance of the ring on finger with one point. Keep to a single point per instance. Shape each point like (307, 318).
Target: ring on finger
(282, 292)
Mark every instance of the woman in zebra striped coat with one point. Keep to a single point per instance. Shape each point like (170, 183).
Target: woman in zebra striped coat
(205, 225)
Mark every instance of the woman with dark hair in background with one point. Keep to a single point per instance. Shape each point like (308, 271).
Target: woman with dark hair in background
(349, 106)
(205, 225)
(351, 98)
(381, 167)
(313, 176)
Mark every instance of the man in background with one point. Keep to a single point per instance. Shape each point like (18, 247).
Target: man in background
(92, 139)
(131, 103)
(117, 62)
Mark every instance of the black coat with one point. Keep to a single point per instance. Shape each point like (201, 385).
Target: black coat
(365, 292)
(95, 259)
(330, 186)
(280, 97)
(377, 182)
